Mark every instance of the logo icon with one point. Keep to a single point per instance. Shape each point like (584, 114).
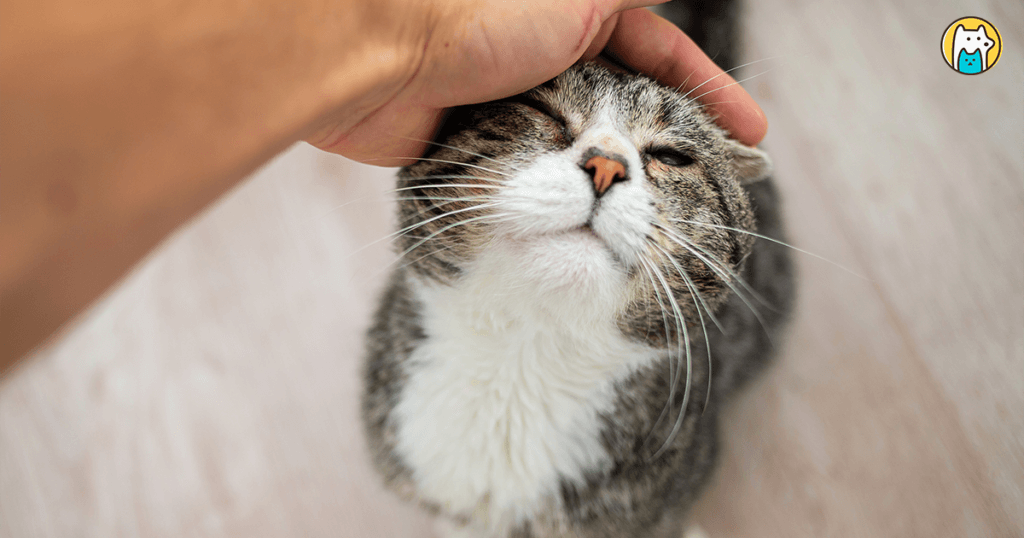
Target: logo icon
(971, 45)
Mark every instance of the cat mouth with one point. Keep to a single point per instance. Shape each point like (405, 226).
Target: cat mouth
(588, 231)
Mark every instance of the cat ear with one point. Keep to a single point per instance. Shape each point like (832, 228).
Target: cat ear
(750, 164)
(959, 30)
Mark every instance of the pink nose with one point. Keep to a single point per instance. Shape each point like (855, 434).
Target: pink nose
(605, 172)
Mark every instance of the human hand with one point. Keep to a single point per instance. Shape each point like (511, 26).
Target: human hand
(479, 52)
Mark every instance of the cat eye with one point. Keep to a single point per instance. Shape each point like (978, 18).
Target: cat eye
(535, 104)
(543, 108)
(671, 157)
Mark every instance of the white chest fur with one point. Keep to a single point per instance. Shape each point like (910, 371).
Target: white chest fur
(502, 400)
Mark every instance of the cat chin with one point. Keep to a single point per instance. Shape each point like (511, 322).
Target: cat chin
(574, 266)
(575, 259)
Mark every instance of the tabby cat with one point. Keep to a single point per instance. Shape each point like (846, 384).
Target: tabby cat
(581, 286)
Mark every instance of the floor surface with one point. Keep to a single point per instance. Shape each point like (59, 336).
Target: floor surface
(214, 393)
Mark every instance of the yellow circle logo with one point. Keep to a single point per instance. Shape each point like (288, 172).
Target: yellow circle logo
(971, 45)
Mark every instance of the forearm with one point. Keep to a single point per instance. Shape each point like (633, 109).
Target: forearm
(122, 119)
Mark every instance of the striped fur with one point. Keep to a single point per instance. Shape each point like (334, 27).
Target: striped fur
(538, 366)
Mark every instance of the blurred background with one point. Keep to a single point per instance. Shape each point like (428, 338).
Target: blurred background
(214, 393)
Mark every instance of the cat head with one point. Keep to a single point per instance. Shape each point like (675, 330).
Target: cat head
(971, 40)
(597, 190)
(970, 62)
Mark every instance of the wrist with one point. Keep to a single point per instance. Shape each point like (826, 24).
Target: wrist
(370, 71)
(119, 129)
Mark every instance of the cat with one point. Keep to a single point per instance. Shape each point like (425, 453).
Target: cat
(970, 49)
(970, 64)
(588, 270)
(530, 359)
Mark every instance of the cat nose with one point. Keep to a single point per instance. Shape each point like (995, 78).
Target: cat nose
(605, 171)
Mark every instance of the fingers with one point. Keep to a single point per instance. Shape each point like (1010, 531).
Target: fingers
(623, 5)
(614, 7)
(393, 134)
(601, 39)
(656, 47)
(395, 137)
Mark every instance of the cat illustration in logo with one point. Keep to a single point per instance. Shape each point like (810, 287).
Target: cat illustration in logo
(970, 64)
(970, 50)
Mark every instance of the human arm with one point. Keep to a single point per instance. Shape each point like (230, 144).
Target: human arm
(121, 120)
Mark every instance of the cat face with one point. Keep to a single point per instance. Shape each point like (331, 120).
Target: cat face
(970, 63)
(596, 190)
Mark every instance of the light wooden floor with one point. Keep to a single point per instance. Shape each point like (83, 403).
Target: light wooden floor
(214, 393)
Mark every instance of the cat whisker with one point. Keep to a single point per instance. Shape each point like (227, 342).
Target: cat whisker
(448, 198)
(431, 236)
(695, 295)
(384, 194)
(338, 207)
(427, 255)
(727, 71)
(681, 322)
(423, 223)
(714, 264)
(415, 226)
(738, 82)
(681, 325)
(715, 103)
(689, 282)
(440, 204)
(707, 342)
(776, 241)
(462, 150)
(444, 200)
(727, 276)
(373, 275)
(451, 199)
(433, 160)
(687, 79)
(645, 265)
(449, 227)
(461, 176)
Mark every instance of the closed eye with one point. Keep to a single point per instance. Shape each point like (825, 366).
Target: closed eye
(543, 108)
(538, 105)
(671, 157)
